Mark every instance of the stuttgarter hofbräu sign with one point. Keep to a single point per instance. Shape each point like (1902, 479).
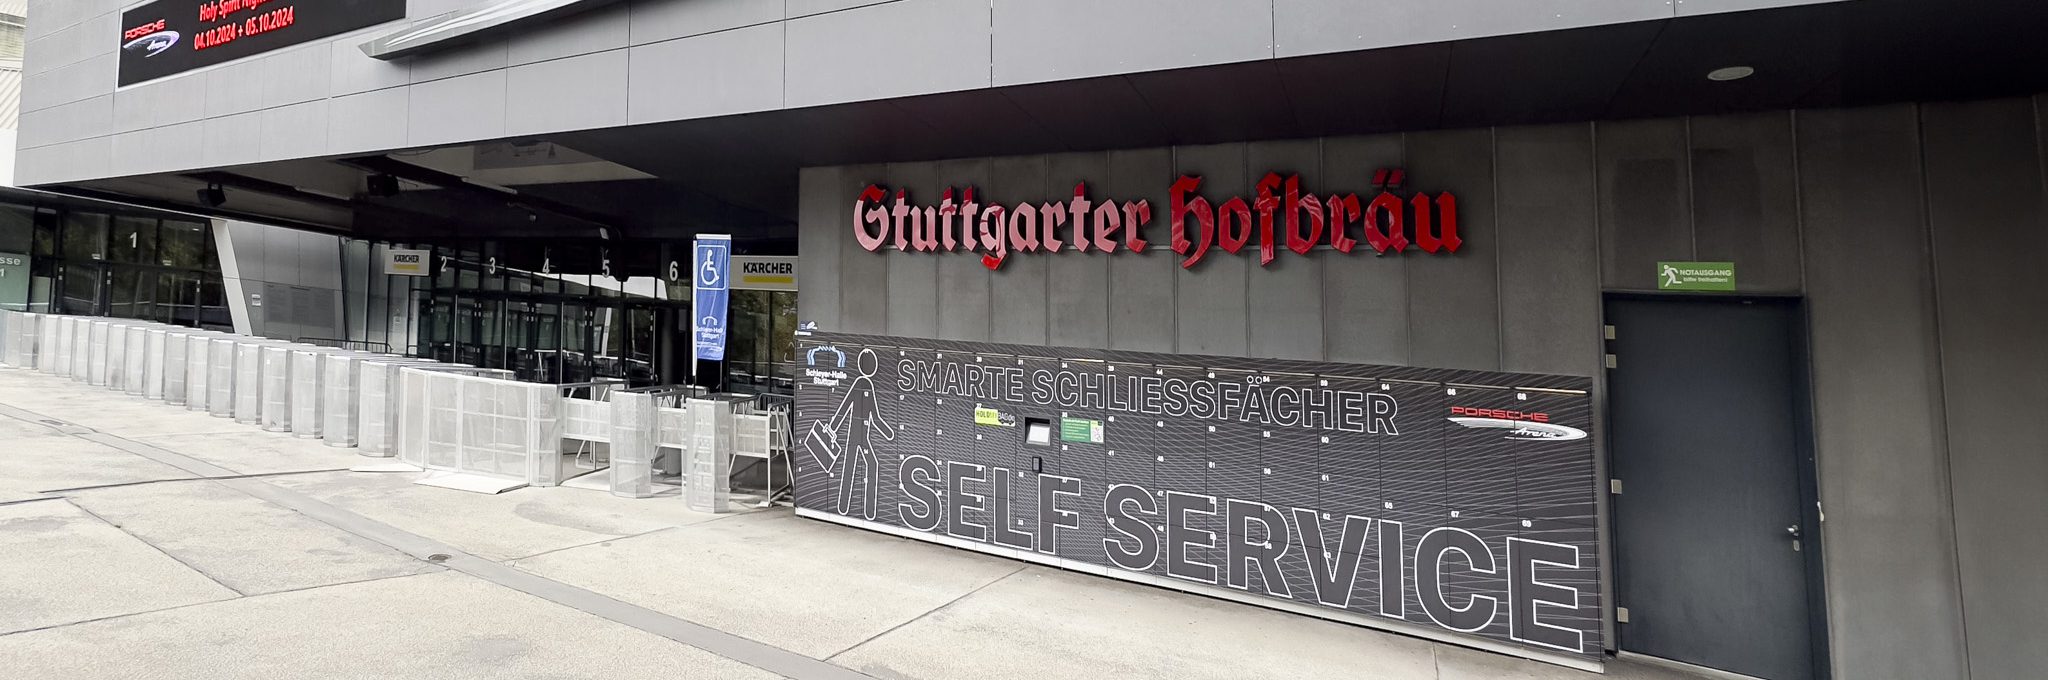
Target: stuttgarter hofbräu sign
(1387, 223)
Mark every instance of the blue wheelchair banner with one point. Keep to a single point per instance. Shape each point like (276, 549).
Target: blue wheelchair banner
(710, 268)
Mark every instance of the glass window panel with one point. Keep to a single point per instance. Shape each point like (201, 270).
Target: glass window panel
(81, 283)
(17, 228)
(85, 237)
(46, 233)
(134, 240)
(184, 245)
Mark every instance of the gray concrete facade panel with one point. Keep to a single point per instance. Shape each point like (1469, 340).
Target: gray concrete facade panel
(1745, 198)
(1365, 311)
(863, 276)
(1320, 26)
(1645, 200)
(1285, 309)
(1043, 40)
(1019, 298)
(905, 48)
(294, 131)
(1454, 300)
(1078, 315)
(913, 276)
(489, 55)
(1883, 457)
(1984, 206)
(574, 93)
(819, 232)
(578, 34)
(803, 8)
(1549, 255)
(232, 140)
(1211, 314)
(729, 72)
(964, 302)
(369, 121)
(352, 72)
(658, 20)
(455, 109)
(1141, 292)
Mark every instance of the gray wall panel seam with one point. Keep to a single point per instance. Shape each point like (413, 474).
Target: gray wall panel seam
(1408, 288)
(1799, 236)
(1244, 165)
(1322, 262)
(1603, 512)
(1939, 356)
(1500, 320)
(782, 99)
(1692, 206)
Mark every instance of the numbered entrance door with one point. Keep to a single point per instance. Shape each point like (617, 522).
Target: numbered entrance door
(1714, 530)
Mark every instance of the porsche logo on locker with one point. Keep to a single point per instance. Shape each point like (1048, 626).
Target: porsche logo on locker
(1519, 425)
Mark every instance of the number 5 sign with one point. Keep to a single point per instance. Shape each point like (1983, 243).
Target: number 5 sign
(710, 269)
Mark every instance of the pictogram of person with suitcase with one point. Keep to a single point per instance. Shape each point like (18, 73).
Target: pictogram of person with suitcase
(844, 444)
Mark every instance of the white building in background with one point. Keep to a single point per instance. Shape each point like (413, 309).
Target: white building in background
(13, 21)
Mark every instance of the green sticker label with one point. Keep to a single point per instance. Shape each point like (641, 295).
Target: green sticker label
(1080, 430)
(1713, 276)
(993, 418)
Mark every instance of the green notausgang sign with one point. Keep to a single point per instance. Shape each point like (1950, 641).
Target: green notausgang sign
(1714, 276)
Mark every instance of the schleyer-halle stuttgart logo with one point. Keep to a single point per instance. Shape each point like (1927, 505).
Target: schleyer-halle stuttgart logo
(844, 444)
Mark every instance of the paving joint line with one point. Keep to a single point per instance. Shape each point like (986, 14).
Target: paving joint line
(552, 551)
(933, 610)
(747, 651)
(257, 475)
(152, 546)
(208, 602)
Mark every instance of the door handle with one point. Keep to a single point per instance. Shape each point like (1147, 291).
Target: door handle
(1792, 531)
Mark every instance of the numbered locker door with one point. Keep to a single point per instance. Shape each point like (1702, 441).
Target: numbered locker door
(1136, 444)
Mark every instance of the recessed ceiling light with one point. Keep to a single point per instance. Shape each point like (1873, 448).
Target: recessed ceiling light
(1728, 73)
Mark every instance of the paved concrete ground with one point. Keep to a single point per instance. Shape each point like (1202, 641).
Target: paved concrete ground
(135, 542)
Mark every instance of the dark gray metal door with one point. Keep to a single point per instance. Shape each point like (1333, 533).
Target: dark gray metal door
(1707, 398)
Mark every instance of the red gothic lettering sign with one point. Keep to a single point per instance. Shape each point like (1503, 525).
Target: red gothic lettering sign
(1279, 214)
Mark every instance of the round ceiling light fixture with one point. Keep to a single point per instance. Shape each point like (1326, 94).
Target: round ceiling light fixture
(1727, 73)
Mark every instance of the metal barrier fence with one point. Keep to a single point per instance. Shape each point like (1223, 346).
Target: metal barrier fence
(371, 346)
(444, 417)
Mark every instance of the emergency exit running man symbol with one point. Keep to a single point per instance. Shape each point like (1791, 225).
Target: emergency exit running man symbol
(1671, 276)
(860, 414)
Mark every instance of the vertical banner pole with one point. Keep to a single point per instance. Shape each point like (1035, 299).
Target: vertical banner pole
(710, 279)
